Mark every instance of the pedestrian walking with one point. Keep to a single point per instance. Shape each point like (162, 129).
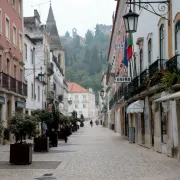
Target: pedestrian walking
(91, 123)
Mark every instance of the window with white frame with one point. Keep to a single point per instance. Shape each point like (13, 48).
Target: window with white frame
(7, 66)
(162, 41)
(25, 51)
(19, 7)
(20, 41)
(32, 91)
(15, 71)
(38, 93)
(14, 35)
(32, 59)
(149, 51)
(141, 60)
(21, 75)
(0, 20)
(7, 28)
(84, 105)
(177, 37)
(14, 3)
(76, 105)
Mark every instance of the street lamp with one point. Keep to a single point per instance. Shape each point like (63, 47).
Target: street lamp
(131, 18)
(131, 21)
(41, 77)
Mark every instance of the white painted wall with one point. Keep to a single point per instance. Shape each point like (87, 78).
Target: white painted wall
(31, 103)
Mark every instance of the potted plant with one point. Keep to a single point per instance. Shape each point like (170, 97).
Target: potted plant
(21, 126)
(41, 143)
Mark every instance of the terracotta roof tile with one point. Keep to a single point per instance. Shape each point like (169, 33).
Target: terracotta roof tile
(76, 88)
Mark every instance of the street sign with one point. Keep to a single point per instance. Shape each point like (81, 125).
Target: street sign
(123, 79)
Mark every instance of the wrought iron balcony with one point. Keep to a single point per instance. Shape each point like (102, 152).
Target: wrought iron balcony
(143, 80)
(173, 64)
(155, 70)
(135, 85)
(111, 103)
(126, 97)
(130, 90)
(11, 84)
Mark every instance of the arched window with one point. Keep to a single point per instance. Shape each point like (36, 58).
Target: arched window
(161, 33)
(149, 51)
(177, 37)
(141, 60)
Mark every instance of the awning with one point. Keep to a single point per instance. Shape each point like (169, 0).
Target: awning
(136, 107)
(169, 97)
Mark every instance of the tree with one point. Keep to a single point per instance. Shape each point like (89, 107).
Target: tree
(97, 32)
(89, 37)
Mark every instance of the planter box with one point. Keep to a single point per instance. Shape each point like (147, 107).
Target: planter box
(20, 154)
(41, 144)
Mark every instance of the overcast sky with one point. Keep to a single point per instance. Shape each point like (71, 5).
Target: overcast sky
(81, 14)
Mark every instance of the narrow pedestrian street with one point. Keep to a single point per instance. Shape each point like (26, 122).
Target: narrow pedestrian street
(93, 154)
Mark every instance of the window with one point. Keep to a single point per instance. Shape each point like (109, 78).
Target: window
(14, 35)
(161, 33)
(76, 105)
(84, 105)
(59, 59)
(19, 7)
(32, 91)
(7, 28)
(177, 37)
(0, 20)
(25, 51)
(21, 75)
(14, 3)
(8, 66)
(84, 97)
(164, 123)
(149, 51)
(141, 59)
(76, 97)
(15, 71)
(32, 59)
(38, 93)
(20, 41)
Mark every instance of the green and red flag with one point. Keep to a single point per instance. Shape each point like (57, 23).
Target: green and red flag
(129, 46)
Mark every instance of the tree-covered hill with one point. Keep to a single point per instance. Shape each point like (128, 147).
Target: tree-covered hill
(86, 58)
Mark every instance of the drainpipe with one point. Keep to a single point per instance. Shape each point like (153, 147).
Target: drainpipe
(34, 69)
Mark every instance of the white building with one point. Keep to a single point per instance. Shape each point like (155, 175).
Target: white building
(35, 98)
(83, 100)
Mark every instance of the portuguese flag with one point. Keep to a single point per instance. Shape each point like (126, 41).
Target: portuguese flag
(129, 46)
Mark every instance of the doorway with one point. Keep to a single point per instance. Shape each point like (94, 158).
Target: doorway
(8, 112)
(152, 125)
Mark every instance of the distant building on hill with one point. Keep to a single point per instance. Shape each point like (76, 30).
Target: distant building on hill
(83, 100)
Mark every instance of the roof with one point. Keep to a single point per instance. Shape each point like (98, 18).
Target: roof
(29, 19)
(52, 29)
(76, 88)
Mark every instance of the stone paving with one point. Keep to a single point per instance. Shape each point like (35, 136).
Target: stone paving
(93, 154)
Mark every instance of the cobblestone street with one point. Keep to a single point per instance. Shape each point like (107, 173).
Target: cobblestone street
(93, 154)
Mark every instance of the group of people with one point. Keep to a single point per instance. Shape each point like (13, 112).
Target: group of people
(91, 122)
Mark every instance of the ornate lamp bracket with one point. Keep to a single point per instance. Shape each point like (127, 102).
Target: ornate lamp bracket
(161, 9)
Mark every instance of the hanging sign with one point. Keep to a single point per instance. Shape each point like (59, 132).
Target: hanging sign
(123, 79)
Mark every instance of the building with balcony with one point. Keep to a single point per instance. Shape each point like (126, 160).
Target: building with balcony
(35, 99)
(149, 104)
(41, 53)
(83, 101)
(57, 57)
(13, 89)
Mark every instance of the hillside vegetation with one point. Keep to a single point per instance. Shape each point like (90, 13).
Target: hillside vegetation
(86, 58)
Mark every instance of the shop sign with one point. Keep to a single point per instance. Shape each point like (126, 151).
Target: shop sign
(2, 100)
(123, 79)
(20, 104)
